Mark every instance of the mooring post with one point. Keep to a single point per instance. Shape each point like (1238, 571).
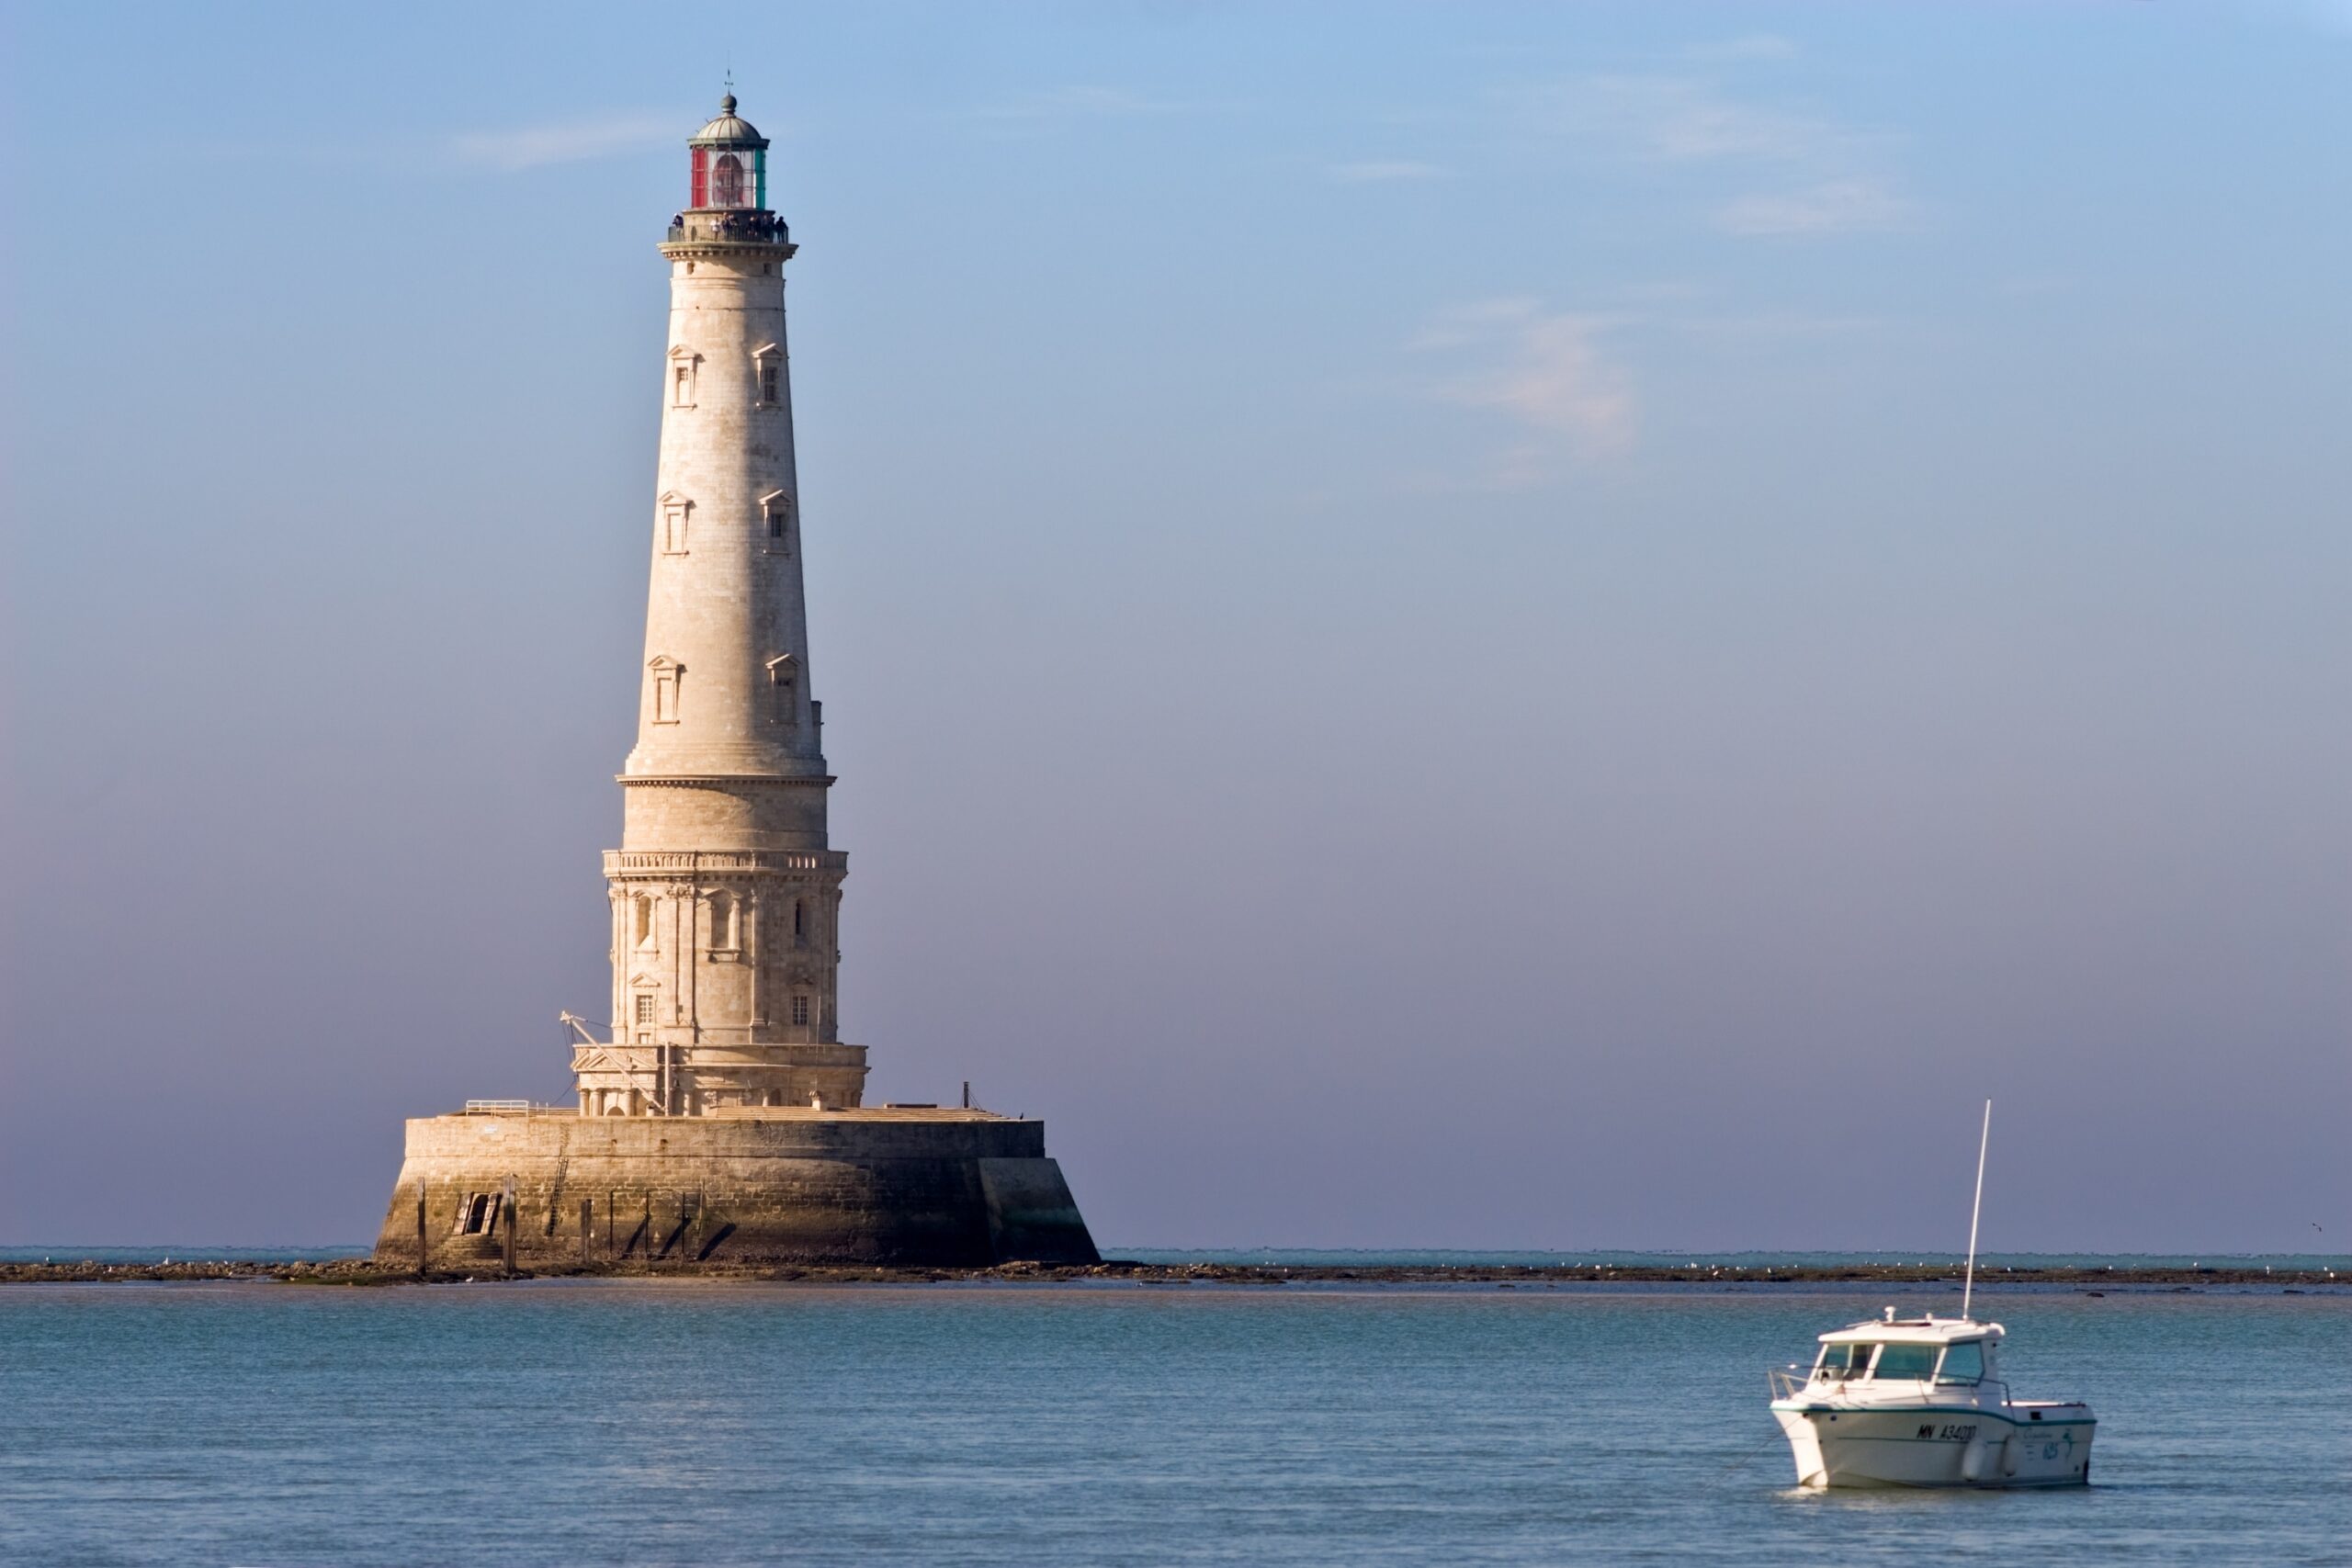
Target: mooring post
(422, 1244)
(587, 1225)
(510, 1225)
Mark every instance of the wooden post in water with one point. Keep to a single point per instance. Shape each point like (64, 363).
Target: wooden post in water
(422, 1244)
(510, 1225)
(587, 1225)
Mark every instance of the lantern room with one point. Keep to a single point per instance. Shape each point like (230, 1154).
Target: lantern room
(729, 165)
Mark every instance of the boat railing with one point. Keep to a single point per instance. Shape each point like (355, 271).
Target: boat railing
(1788, 1382)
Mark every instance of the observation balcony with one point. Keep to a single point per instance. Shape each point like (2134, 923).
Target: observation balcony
(725, 227)
(689, 862)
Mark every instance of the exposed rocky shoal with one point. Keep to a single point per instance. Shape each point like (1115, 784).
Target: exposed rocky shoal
(363, 1271)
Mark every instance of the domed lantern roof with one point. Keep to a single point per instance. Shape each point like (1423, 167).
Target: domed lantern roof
(728, 164)
(730, 129)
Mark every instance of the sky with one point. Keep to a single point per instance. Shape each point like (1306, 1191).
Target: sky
(1480, 627)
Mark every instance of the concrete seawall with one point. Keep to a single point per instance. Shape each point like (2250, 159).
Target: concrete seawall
(910, 1188)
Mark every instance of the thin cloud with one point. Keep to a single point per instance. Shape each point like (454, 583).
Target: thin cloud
(1546, 372)
(539, 146)
(1675, 119)
(1825, 177)
(1831, 207)
(1775, 326)
(2329, 16)
(1379, 173)
(1752, 46)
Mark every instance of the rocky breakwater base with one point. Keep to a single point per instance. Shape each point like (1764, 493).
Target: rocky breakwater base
(2087, 1281)
(553, 1190)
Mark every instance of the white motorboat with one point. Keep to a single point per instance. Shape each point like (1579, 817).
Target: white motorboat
(1921, 1402)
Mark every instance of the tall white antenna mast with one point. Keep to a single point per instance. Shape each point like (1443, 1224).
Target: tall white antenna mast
(1983, 1142)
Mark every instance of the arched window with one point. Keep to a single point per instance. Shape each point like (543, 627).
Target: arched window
(641, 922)
(801, 920)
(727, 181)
(723, 920)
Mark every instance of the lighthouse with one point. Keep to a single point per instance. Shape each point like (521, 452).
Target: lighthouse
(718, 1118)
(726, 895)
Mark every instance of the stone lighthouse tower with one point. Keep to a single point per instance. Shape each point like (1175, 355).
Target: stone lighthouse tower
(725, 894)
(721, 1121)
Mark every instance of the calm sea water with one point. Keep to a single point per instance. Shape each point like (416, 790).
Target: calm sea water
(662, 1422)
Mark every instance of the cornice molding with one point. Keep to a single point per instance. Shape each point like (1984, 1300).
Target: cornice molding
(720, 781)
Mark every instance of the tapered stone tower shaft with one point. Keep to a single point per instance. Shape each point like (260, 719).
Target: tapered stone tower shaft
(725, 894)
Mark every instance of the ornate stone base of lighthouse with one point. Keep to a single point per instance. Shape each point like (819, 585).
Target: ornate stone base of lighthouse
(720, 1117)
(891, 1184)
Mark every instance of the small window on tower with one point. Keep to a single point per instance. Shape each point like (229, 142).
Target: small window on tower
(676, 512)
(682, 386)
(800, 1009)
(645, 1007)
(783, 677)
(767, 373)
(667, 672)
(775, 516)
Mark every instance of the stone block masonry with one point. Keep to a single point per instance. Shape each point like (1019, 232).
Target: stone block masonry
(947, 1188)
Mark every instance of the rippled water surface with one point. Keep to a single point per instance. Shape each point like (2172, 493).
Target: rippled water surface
(662, 1422)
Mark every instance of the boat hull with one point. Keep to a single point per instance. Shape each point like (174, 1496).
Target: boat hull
(1936, 1447)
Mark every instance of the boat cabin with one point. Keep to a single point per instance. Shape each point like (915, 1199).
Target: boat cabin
(1935, 1352)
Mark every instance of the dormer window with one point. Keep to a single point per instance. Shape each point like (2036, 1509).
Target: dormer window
(682, 364)
(676, 512)
(784, 682)
(667, 674)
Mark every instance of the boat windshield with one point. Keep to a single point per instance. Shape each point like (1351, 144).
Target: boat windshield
(1903, 1362)
(1963, 1363)
(1839, 1362)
